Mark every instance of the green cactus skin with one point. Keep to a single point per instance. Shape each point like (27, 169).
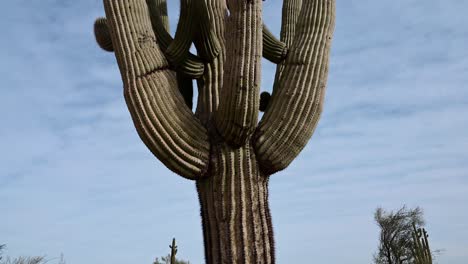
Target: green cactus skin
(178, 50)
(273, 49)
(221, 146)
(208, 46)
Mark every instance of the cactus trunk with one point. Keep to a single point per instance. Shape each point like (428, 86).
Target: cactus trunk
(221, 146)
(236, 218)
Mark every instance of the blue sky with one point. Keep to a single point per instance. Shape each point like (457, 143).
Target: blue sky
(75, 178)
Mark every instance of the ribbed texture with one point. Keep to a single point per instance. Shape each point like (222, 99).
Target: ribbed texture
(161, 7)
(208, 46)
(101, 33)
(209, 86)
(296, 103)
(290, 15)
(237, 114)
(190, 65)
(236, 218)
(178, 50)
(171, 132)
(273, 49)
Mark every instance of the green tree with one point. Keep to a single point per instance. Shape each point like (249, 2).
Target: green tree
(221, 146)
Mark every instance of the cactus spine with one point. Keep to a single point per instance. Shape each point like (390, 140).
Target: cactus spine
(221, 146)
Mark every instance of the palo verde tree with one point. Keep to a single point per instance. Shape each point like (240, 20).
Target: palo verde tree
(222, 146)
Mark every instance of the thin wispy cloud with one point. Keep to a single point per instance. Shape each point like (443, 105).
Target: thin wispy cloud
(75, 178)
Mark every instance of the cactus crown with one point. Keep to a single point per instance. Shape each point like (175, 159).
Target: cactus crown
(196, 27)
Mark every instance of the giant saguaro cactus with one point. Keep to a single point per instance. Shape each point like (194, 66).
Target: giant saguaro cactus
(221, 146)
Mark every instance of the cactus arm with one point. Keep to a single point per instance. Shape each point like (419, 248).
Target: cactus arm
(160, 27)
(297, 99)
(173, 248)
(290, 15)
(190, 65)
(158, 8)
(101, 33)
(208, 46)
(171, 132)
(178, 50)
(237, 114)
(420, 246)
(273, 49)
(427, 249)
(209, 85)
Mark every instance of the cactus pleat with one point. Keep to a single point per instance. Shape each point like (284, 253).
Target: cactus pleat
(290, 16)
(273, 49)
(208, 45)
(296, 102)
(171, 132)
(189, 64)
(237, 223)
(221, 146)
(209, 86)
(237, 114)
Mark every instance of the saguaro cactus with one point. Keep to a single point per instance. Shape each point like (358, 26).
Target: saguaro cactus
(221, 146)
(420, 246)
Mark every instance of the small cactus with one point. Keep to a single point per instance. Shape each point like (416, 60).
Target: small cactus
(173, 248)
(420, 248)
